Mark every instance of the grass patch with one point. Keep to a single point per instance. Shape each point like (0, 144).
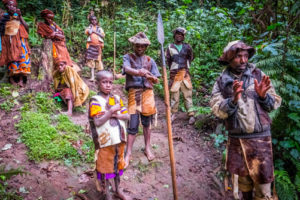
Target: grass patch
(65, 142)
(120, 81)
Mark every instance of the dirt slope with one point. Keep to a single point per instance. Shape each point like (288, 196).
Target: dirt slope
(196, 164)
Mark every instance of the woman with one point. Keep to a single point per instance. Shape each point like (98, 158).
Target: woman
(50, 30)
(14, 43)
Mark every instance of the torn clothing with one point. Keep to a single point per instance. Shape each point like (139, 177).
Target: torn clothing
(248, 124)
(136, 62)
(179, 60)
(142, 101)
(109, 138)
(73, 81)
(249, 118)
(184, 85)
(59, 48)
(134, 122)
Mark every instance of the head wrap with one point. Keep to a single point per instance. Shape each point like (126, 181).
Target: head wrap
(8, 1)
(232, 49)
(139, 38)
(45, 12)
(180, 30)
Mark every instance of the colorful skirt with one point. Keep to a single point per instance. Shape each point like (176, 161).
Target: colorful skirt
(23, 66)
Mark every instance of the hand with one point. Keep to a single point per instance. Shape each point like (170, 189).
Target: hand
(115, 108)
(151, 78)
(237, 90)
(143, 72)
(262, 88)
(18, 11)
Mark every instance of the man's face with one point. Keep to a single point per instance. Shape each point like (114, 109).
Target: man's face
(179, 37)
(139, 49)
(105, 84)
(61, 67)
(93, 21)
(239, 62)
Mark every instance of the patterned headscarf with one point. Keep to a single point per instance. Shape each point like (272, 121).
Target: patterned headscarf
(139, 38)
(232, 49)
(14, 2)
(45, 12)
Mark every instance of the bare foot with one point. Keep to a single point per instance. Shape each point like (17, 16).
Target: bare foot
(21, 84)
(126, 159)
(149, 155)
(120, 194)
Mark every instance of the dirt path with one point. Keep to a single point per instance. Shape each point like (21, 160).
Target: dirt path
(196, 164)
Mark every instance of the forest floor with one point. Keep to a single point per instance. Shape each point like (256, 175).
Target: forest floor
(197, 164)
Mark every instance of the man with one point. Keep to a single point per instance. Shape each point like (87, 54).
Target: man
(242, 96)
(179, 57)
(141, 73)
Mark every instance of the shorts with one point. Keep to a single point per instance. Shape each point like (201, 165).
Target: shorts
(133, 124)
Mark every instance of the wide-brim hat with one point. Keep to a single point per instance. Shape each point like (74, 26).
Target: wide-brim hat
(180, 30)
(139, 38)
(232, 49)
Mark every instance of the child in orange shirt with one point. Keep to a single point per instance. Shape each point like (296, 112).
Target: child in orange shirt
(107, 116)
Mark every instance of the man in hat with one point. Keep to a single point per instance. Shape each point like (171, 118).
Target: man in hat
(14, 46)
(179, 56)
(141, 73)
(243, 96)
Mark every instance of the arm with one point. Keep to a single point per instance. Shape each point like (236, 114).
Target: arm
(267, 96)
(22, 20)
(100, 120)
(127, 69)
(222, 108)
(123, 117)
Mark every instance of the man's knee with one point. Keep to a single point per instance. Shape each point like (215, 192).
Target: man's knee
(146, 120)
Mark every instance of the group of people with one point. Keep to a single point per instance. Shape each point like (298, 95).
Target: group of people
(242, 95)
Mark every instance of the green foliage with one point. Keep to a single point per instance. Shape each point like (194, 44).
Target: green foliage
(120, 81)
(7, 105)
(45, 141)
(5, 175)
(285, 188)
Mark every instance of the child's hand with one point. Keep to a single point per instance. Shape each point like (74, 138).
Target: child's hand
(115, 108)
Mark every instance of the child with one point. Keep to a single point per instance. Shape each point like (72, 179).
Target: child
(94, 46)
(107, 116)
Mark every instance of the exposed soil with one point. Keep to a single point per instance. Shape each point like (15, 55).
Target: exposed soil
(197, 162)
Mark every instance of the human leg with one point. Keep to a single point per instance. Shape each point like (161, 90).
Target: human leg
(263, 191)
(146, 120)
(118, 190)
(21, 84)
(188, 101)
(174, 103)
(246, 187)
(132, 131)
(70, 107)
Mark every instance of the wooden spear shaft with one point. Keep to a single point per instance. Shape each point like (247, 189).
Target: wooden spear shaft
(169, 128)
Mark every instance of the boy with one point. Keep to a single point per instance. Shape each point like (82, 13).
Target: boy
(107, 116)
(141, 74)
(94, 46)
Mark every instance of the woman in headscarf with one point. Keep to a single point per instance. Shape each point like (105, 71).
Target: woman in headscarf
(50, 30)
(14, 43)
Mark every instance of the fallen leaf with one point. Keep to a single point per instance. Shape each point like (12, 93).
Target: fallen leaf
(6, 147)
(23, 190)
(81, 191)
(15, 94)
(166, 186)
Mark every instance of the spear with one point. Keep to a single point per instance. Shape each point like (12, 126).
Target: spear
(161, 39)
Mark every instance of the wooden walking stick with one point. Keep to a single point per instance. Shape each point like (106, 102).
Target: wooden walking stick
(114, 69)
(161, 39)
